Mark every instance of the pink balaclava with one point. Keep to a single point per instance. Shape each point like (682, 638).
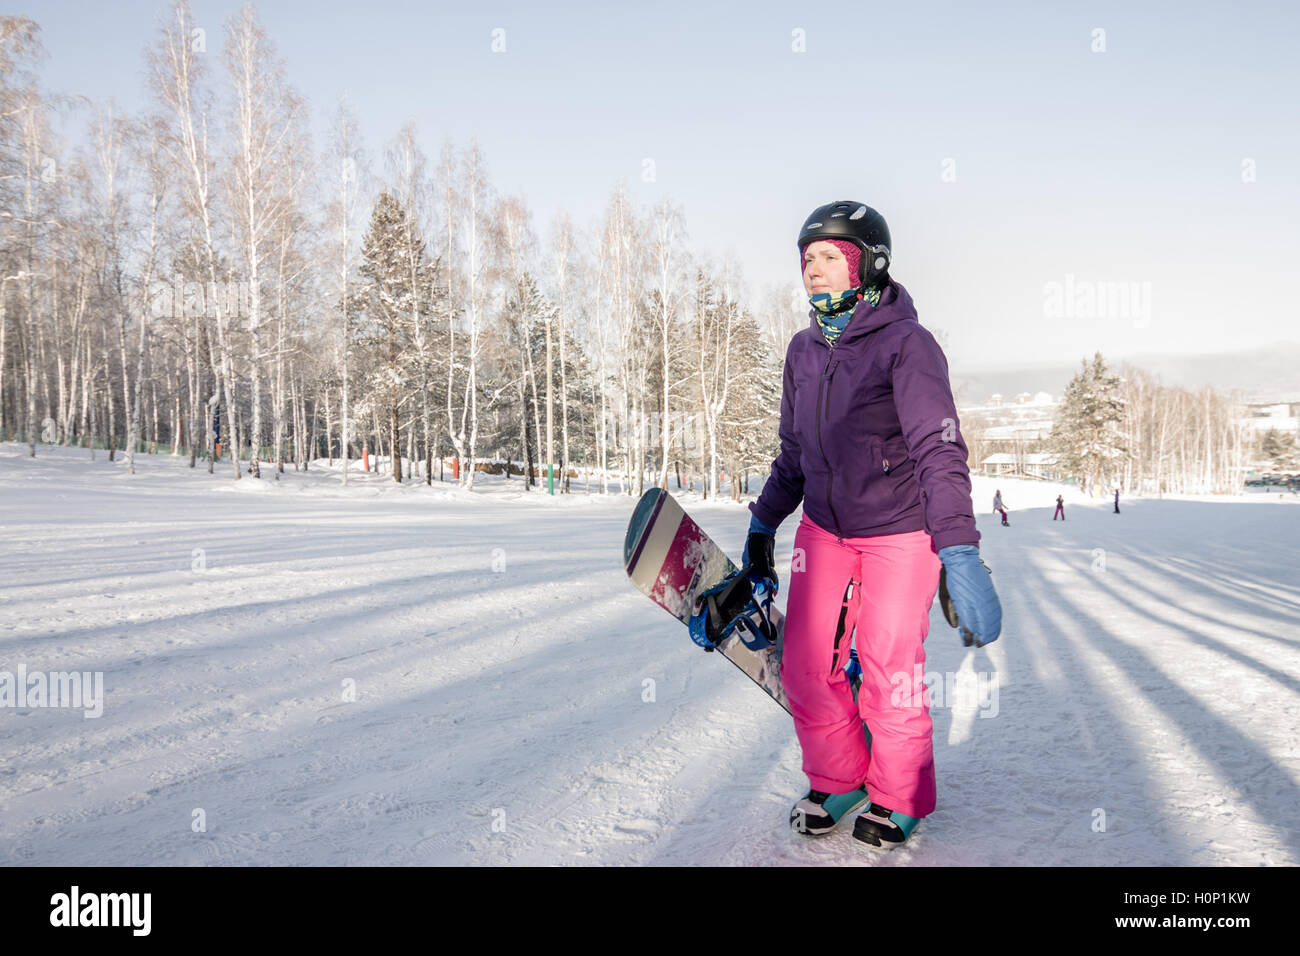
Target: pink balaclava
(851, 252)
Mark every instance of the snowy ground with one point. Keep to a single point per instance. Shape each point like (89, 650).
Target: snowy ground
(1141, 706)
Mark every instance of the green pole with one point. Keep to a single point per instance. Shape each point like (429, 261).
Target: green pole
(550, 479)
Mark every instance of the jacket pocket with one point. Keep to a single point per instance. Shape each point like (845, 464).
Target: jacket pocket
(893, 455)
(877, 460)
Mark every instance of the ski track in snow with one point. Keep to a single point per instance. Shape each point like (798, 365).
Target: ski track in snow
(1147, 678)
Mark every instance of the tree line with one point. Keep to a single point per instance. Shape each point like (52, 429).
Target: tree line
(199, 280)
(1126, 430)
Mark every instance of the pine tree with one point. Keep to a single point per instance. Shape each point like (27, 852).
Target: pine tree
(1279, 450)
(1086, 435)
(1288, 458)
(385, 325)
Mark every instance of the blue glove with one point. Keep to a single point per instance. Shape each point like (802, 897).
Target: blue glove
(970, 589)
(759, 557)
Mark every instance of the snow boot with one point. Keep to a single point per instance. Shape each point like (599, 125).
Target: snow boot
(883, 827)
(817, 813)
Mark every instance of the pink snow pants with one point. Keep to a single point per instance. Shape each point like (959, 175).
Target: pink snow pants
(894, 579)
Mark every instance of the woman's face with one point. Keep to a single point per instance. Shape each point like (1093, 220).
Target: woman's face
(825, 269)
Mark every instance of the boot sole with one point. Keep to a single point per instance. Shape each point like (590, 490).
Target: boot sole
(823, 831)
(873, 835)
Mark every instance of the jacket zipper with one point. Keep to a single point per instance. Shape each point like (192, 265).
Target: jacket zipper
(830, 476)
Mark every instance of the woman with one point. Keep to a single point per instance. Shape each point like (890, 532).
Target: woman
(870, 444)
(999, 507)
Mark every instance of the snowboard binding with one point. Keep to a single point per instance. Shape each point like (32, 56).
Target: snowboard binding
(734, 606)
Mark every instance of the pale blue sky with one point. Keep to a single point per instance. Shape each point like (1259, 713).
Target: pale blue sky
(1122, 166)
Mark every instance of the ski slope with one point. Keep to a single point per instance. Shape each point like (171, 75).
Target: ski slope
(298, 673)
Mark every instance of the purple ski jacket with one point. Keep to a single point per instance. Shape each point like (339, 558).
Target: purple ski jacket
(869, 432)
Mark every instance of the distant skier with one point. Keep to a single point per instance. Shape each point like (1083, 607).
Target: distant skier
(1060, 508)
(1116, 501)
(887, 501)
(998, 506)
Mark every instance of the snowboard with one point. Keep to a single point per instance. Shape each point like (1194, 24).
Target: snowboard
(672, 561)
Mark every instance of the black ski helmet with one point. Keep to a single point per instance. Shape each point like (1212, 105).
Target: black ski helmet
(860, 225)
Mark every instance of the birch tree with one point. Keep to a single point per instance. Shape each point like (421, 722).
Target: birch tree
(264, 178)
(563, 249)
(346, 166)
(147, 151)
(176, 71)
(480, 270)
(669, 230)
(20, 48)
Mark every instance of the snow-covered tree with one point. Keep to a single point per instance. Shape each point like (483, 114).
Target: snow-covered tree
(346, 168)
(1086, 434)
(667, 231)
(385, 327)
(517, 354)
(752, 416)
(1279, 449)
(263, 180)
(727, 349)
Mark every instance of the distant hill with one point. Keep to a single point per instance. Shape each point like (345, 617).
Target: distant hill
(1265, 374)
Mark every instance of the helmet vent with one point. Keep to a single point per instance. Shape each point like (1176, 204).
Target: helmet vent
(859, 212)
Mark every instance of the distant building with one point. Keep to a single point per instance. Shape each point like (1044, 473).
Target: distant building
(995, 398)
(1032, 465)
(1267, 416)
(1023, 398)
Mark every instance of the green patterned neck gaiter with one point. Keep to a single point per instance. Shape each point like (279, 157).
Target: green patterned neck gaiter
(834, 309)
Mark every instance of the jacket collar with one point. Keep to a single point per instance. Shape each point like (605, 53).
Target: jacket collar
(895, 304)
